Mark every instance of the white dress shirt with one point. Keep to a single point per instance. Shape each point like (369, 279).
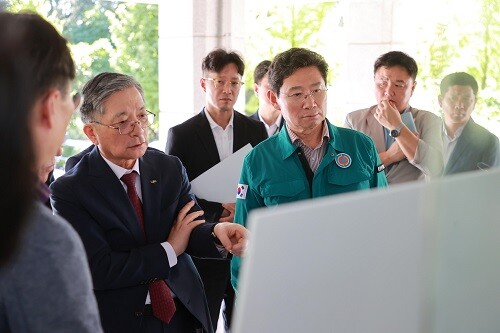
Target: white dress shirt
(223, 137)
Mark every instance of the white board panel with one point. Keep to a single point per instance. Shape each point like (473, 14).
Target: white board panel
(413, 258)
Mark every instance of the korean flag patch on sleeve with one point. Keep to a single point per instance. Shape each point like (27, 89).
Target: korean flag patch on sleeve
(241, 192)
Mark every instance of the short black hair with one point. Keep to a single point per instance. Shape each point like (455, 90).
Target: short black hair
(397, 58)
(34, 58)
(216, 60)
(261, 71)
(286, 63)
(458, 79)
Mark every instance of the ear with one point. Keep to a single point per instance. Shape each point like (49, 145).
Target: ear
(413, 87)
(203, 84)
(273, 99)
(45, 112)
(440, 100)
(89, 131)
(256, 90)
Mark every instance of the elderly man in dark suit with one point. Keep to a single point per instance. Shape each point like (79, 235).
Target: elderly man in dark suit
(206, 139)
(467, 145)
(134, 210)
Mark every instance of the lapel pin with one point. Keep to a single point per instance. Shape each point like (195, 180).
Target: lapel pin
(343, 160)
(153, 181)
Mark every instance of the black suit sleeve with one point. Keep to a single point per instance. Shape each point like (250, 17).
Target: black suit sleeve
(212, 210)
(176, 146)
(73, 160)
(118, 257)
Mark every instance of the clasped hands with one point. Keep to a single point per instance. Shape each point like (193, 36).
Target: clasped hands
(233, 236)
(387, 115)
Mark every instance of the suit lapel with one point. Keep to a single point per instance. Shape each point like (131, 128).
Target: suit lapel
(206, 138)
(282, 122)
(462, 145)
(113, 194)
(240, 137)
(151, 185)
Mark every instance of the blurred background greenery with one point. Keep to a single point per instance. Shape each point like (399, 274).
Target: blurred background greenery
(123, 37)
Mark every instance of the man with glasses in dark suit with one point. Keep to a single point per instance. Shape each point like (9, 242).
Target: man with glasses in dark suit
(206, 139)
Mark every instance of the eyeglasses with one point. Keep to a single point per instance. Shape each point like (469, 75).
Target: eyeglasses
(218, 83)
(300, 97)
(127, 126)
(384, 83)
(465, 100)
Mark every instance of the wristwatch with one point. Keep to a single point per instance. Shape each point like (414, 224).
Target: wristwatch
(395, 132)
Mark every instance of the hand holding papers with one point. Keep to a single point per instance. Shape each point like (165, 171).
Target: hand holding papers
(219, 183)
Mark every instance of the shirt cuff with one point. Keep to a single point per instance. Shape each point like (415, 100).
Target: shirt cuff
(222, 251)
(172, 257)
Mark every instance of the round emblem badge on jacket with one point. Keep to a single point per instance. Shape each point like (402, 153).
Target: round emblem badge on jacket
(343, 160)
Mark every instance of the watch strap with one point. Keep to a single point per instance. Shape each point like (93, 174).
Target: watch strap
(400, 127)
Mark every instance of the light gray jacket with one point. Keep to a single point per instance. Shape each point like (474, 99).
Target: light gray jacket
(46, 287)
(428, 160)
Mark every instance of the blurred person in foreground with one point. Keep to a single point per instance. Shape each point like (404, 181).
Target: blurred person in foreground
(467, 146)
(309, 157)
(45, 284)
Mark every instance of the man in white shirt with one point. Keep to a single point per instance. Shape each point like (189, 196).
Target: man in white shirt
(206, 139)
(267, 113)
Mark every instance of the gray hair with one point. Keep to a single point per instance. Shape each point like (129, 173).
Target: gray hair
(98, 89)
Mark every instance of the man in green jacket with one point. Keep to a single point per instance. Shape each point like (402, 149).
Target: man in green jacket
(309, 157)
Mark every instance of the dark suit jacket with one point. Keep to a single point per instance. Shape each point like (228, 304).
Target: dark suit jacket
(73, 160)
(122, 261)
(193, 142)
(256, 117)
(476, 149)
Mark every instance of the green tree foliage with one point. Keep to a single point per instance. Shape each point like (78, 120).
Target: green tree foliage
(134, 31)
(89, 21)
(467, 42)
(104, 36)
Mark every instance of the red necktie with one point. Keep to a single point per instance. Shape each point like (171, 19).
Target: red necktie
(161, 297)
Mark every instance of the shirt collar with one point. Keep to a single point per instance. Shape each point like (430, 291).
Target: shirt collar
(212, 122)
(119, 171)
(277, 122)
(458, 132)
(295, 139)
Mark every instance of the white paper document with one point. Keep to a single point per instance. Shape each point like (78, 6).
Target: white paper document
(220, 182)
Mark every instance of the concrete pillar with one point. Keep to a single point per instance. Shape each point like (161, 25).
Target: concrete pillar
(373, 28)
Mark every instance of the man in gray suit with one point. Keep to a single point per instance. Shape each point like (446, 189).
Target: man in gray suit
(45, 286)
(408, 140)
(467, 146)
